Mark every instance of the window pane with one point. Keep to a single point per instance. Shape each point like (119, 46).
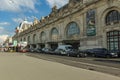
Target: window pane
(54, 34)
(113, 40)
(111, 33)
(116, 32)
(73, 29)
(112, 16)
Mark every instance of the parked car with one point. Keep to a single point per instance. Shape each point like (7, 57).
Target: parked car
(51, 51)
(76, 53)
(63, 49)
(102, 52)
(115, 52)
(57, 51)
(45, 50)
(38, 50)
(31, 50)
(88, 52)
(24, 50)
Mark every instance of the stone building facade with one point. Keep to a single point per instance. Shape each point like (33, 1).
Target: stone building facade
(81, 23)
(7, 44)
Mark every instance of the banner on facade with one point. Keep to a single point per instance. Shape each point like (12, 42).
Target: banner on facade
(90, 21)
(15, 42)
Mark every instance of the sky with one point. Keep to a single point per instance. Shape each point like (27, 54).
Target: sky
(12, 12)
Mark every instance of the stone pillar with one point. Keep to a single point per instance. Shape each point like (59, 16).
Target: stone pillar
(104, 40)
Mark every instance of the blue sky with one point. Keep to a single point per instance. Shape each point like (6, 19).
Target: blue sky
(12, 12)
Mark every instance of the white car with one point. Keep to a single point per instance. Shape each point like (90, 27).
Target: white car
(63, 49)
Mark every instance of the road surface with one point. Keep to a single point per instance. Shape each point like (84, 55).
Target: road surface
(17, 66)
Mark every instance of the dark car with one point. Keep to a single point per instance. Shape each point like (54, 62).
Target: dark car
(115, 52)
(31, 50)
(102, 52)
(76, 53)
(48, 50)
(35, 50)
(38, 50)
(57, 51)
(51, 51)
(89, 52)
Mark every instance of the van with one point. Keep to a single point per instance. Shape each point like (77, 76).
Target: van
(63, 49)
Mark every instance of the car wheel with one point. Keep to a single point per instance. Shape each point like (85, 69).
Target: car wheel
(78, 55)
(85, 54)
(68, 54)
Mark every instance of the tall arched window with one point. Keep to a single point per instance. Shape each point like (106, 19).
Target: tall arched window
(113, 40)
(112, 17)
(34, 38)
(73, 29)
(43, 36)
(54, 34)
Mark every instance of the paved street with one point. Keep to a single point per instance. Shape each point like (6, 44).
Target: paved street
(105, 65)
(18, 66)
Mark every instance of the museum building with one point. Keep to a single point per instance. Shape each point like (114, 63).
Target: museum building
(84, 24)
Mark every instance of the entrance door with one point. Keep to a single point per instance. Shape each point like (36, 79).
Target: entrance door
(113, 40)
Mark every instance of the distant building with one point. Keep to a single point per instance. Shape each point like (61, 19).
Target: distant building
(7, 44)
(25, 25)
(81, 23)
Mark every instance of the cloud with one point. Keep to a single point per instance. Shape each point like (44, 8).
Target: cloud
(17, 20)
(58, 3)
(3, 38)
(30, 18)
(1, 28)
(17, 5)
(4, 23)
(4, 31)
(3, 34)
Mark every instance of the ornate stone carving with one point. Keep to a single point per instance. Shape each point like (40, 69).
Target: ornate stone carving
(36, 21)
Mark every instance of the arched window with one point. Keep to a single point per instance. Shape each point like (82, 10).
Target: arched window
(54, 34)
(43, 36)
(73, 29)
(113, 40)
(112, 17)
(34, 38)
